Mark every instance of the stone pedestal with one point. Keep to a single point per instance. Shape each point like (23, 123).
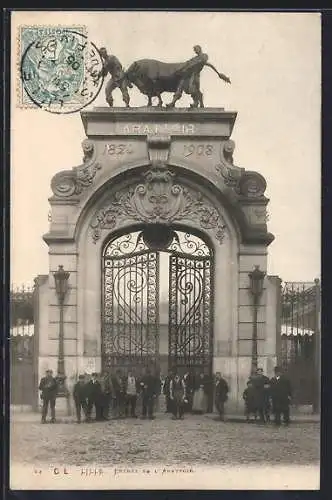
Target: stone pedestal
(194, 148)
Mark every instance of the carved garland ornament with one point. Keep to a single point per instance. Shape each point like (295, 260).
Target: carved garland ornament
(72, 182)
(158, 200)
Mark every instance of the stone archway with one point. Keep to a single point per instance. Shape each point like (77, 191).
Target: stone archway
(139, 171)
(143, 271)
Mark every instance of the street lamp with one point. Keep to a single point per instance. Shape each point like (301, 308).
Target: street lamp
(256, 288)
(61, 287)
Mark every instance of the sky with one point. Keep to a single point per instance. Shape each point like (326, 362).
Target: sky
(273, 60)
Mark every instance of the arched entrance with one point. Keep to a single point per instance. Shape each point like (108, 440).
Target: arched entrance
(157, 300)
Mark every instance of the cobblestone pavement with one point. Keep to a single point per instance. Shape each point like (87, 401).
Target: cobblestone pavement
(195, 440)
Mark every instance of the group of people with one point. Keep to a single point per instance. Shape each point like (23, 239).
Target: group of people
(194, 394)
(104, 393)
(263, 396)
(118, 394)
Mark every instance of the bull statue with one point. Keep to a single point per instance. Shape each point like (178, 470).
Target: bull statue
(152, 78)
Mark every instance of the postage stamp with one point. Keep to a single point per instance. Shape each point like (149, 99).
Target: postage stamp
(59, 68)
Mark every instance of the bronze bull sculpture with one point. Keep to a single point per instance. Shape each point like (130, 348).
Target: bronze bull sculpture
(153, 77)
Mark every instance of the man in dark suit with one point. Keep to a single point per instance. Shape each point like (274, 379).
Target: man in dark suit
(119, 386)
(94, 396)
(149, 393)
(281, 394)
(178, 396)
(188, 380)
(131, 390)
(166, 391)
(80, 397)
(108, 393)
(49, 388)
(220, 394)
(261, 388)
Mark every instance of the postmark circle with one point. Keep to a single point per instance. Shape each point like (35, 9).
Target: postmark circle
(62, 72)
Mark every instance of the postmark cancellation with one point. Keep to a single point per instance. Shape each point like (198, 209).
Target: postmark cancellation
(58, 68)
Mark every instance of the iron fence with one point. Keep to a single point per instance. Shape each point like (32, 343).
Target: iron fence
(300, 338)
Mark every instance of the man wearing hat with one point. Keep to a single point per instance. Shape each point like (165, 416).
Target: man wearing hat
(281, 394)
(79, 395)
(178, 396)
(48, 387)
(149, 393)
(94, 396)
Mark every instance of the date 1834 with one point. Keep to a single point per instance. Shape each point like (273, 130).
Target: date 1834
(116, 149)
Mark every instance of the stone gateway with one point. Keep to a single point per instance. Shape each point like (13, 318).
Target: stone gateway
(159, 230)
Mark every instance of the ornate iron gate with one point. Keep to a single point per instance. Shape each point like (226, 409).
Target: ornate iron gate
(190, 314)
(130, 323)
(299, 323)
(131, 305)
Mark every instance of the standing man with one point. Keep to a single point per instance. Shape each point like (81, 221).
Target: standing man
(119, 384)
(112, 65)
(281, 394)
(189, 383)
(149, 393)
(261, 385)
(178, 396)
(105, 395)
(249, 401)
(221, 395)
(131, 394)
(94, 396)
(49, 388)
(79, 395)
(166, 391)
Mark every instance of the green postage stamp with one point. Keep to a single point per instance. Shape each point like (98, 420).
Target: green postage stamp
(60, 69)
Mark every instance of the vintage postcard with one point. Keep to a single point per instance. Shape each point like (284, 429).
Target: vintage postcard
(165, 253)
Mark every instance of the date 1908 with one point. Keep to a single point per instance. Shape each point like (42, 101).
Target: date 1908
(198, 150)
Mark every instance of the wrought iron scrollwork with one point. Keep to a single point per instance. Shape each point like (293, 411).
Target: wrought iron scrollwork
(190, 337)
(130, 335)
(131, 299)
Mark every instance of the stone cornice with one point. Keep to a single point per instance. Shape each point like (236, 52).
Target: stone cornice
(146, 113)
(213, 116)
(57, 237)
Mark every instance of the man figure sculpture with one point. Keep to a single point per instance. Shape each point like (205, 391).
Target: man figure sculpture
(48, 387)
(118, 79)
(191, 78)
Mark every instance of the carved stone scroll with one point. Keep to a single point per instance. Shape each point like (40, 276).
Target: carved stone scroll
(72, 182)
(230, 173)
(245, 183)
(252, 185)
(158, 199)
